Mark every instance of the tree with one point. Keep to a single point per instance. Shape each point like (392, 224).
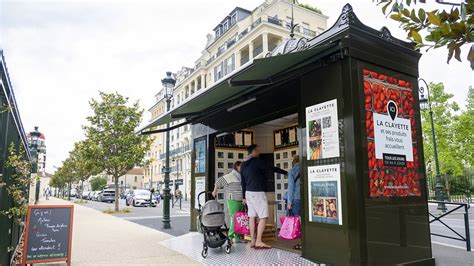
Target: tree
(114, 145)
(82, 163)
(464, 128)
(18, 185)
(451, 29)
(444, 116)
(67, 174)
(98, 183)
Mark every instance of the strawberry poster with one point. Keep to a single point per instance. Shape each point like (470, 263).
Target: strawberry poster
(391, 134)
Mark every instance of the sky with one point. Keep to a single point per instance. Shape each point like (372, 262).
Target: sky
(61, 53)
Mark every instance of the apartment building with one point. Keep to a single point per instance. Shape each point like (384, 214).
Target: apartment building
(238, 38)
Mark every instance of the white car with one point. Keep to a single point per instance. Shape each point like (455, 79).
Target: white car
(140, 197)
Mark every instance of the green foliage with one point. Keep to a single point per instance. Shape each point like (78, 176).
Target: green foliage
(464, 128)
(98, 183)
(113, 145)
(310, 7)
(19, 184)
(451, 29)
(444, 118)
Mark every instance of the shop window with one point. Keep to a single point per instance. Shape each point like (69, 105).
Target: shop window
(230, 155)
(220, 154)
(220, 165)
(241, 156)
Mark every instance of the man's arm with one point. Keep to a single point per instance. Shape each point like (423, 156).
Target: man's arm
(270, 168)
(291, 186)
(243, 184)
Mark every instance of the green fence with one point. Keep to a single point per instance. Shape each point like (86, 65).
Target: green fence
(11, 131)
(456, 188)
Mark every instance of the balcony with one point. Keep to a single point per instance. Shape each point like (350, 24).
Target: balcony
(256, 23)
(176, 151)
(275, 21)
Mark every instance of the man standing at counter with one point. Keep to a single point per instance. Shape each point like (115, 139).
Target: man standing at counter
(253, 172)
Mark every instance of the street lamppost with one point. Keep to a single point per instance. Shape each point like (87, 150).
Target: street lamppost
(425, 104)
(34, 149)
(168, 86)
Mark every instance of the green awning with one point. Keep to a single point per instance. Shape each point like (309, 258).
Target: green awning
(263, 71)
(260, 72)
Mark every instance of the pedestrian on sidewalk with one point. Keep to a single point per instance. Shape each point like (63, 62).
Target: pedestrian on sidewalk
(293, 194)
(231, 184)
(254, 171)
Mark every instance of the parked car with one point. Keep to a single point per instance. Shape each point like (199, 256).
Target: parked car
(95, 195)
(89, 196)
(140, 197)
(73, 192)
(107, 195)
(85, 195)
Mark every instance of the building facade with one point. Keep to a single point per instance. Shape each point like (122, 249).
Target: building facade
(133, 179)
(241, 36)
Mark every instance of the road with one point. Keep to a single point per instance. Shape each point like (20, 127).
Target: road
(151, 217)
(456, 221)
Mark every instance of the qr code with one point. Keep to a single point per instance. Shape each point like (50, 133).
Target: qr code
(326, 122)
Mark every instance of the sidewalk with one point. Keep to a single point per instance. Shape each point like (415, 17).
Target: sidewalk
(102, 239)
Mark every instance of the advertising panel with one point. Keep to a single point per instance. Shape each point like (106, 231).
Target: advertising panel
(322, 131)
(391, 136)
(324, 185)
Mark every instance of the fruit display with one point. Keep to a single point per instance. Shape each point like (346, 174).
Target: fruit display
(389, 181)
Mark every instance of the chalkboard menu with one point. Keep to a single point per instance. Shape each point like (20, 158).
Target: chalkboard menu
(48, 233)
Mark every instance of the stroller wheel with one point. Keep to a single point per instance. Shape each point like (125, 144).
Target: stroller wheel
(204, 253)
(227, 249)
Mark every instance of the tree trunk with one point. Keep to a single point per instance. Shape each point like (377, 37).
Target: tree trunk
(116, 179)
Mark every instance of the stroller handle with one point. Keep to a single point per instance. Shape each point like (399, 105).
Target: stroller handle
(199, 195)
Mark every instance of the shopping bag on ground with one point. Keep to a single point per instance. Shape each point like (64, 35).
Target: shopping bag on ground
(290, 228)
(241, 223)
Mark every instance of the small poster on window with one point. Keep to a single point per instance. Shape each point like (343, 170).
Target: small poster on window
(325, 194)
(200, 187)
(322, 130)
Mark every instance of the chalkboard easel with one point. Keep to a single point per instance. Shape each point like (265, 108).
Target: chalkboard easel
(48, 234)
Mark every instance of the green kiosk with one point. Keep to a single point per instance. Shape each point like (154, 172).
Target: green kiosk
(346, 102)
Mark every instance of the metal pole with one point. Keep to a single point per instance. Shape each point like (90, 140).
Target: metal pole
(466, 226)
(166, 190)
(439, 184)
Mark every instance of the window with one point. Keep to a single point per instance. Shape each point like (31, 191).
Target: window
(229, 64)
(285, 155)
(230, 155)
(277, 156)
(285, 166)
(218, 73)
(135, 178)
(279, 186)
(220, 165)
(220, 154)
(286, 186)
(241, 156)
(121, 182)
(233, 19)
(226, 26)
(220, 174)
(230, 165)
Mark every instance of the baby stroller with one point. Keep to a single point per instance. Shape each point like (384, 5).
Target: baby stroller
(213, 227)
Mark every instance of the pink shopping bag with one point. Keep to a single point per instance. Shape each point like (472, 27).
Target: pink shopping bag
(241, 223)
(290, 228)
